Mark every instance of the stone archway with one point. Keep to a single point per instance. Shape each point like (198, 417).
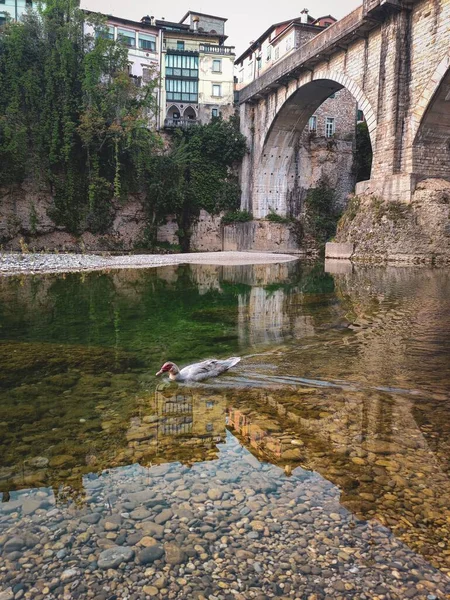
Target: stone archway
(430, 126)
(276, 173)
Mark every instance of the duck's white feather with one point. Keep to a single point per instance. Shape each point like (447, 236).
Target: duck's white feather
(206, 369)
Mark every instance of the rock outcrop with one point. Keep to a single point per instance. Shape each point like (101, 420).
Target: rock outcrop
(391, 231)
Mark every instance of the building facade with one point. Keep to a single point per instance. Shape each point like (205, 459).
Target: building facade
(143, 40)
(12, 10)
(279, 40)
(197, 71)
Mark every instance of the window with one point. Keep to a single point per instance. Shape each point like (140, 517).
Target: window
(146, 74)
(288, 44)
(209, 427)
(127, 37)
(313, 124)
(178, 65)
(210, 403)
(360, 116)
(241, 76)
(277, 53)
(2, 19)
(250, 71)
(269, 52)
(217, 65)
(181, 90)
(147, 42)
(180, 45)
(214, 113)
(330, 127)
(104, 32)
(216, 90)
(2, 2)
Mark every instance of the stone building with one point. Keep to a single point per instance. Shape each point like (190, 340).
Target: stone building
(194, 67)
(197, 70)
(278, 41)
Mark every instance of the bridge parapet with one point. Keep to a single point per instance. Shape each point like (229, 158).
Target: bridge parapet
(335, 38)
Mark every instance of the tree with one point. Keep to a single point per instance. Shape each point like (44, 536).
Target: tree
(196, 173)
(71, 117)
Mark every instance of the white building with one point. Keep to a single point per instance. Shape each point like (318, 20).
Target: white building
(278, 41)
(197, 70)
(12, 10)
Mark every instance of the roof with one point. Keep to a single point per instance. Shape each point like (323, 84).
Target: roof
(123, 21)
(262, 37)
(326, 17)
(175, 26)
(193, 12)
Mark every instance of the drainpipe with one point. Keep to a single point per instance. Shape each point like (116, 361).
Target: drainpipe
(160, 107)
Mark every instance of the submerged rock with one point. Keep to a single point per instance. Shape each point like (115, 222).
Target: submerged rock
(113, 557)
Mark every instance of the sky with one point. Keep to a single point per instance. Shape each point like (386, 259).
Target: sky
(247, 19)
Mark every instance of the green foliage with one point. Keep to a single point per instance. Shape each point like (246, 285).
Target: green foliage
(70, 116)
(276, 218)
(362, 163)
(236, 216)
(196, 173)
(321, 217)
(350, 213)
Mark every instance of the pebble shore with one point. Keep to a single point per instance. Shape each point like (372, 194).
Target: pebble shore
(228, 529)
(16, 263)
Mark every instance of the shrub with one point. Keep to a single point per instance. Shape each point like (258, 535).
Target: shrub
(236, 216)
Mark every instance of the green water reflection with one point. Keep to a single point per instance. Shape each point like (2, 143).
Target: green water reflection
(346, 375)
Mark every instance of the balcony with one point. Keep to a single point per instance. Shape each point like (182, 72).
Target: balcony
(186, 47)
(213, 49)
(171, 123)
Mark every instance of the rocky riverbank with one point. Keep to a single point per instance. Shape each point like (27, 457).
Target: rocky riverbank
(383, 231)
(16, 263)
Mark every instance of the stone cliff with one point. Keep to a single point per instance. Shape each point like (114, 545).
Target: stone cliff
(25, 219)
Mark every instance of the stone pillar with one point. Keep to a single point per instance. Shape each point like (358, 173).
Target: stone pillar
(247, 129)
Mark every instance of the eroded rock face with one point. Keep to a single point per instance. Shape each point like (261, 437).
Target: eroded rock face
(411, 233)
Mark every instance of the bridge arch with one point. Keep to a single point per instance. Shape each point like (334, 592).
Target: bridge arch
(276, 176)
(430, 125)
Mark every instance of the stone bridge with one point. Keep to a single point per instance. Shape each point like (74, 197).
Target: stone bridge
(394, 57)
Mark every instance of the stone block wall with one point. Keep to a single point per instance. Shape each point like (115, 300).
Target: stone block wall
(260, 236)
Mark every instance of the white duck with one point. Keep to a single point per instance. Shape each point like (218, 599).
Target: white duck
(198, 371)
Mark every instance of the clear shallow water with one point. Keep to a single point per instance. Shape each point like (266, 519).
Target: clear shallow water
(318, 468)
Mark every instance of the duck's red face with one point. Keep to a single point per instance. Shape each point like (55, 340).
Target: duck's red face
(166, 367)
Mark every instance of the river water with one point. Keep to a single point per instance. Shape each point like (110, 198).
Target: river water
(318, 468)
